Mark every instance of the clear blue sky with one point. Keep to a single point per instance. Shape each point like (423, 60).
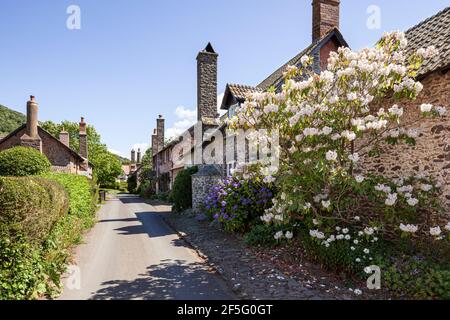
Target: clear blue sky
(135, 59)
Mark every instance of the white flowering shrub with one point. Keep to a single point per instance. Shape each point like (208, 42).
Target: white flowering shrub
(326, 127)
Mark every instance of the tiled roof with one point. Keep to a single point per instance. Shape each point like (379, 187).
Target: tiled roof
(434, 31)
(276, 77)
(240, 91)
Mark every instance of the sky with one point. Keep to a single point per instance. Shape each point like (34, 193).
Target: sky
(132, 60)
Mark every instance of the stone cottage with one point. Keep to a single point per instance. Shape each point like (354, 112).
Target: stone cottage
(430, 156)
(60, 155)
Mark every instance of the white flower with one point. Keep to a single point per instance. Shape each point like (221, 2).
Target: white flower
(435, 231)
(345, 231)
(426, 187)
(267, 218)
(366, 251)
(352, 96)
(289, 235)
(326, 204)
(357, 218)
(331, 155)
(278, 235)
(347, 237)
(441, 110)
(426, 107)
(304, 60)
(352, 248)
(327, 131)
(316, 234)
(412, 202)
(355, 241)
(354, 157)
(359, 179)
(315, 222)
(391, 199)
(358, 260)
(357, 291)
(447, 227)
(349, 135)
(338, 228)
(270, 108)
(307, 206)
(412, 133)
(409, 228)
(395, 110)
(340, 237)
(310, 132)
(369, 231)
(335, 136)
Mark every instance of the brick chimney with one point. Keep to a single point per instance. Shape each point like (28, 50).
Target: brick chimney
(154, 143)
(83, 139)
(31, 137)
(64, 137)
(160, 132)
(325, 17)
(133, 156)
(207, 83)
(138, 156)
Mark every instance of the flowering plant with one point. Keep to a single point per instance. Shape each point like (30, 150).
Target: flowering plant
(327, 127)
(238, 203)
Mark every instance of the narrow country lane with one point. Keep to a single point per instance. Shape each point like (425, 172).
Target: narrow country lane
(132, 254)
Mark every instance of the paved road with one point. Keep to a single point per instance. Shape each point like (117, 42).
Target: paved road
(132, 254)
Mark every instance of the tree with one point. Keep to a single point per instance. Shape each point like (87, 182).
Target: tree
(107, 166)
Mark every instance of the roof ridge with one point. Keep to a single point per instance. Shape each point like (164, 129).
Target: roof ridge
(428, 19)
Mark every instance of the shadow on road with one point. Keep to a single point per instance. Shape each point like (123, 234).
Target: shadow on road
(172, 279)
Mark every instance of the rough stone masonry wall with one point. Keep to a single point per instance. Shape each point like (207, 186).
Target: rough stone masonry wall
(201, 187)
(431, 155)
(207, 85)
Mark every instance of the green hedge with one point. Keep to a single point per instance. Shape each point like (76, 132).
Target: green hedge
(29, 210)
(41, 218)
(182, 189)
(22, 161)
(83, 195)
(31, 206)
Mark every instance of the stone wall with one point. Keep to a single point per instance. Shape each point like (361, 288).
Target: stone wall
(431, 155)
(202, 182)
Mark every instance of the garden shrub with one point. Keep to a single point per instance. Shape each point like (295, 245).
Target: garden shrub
(239, 204)
(30, 206)
(23, 161)
(132, 184)
(182, 189)
(261, 235)
(34, 252)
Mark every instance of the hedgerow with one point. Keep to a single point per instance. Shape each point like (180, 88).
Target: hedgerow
(40, 219)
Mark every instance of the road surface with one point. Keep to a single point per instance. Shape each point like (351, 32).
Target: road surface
(132, 254)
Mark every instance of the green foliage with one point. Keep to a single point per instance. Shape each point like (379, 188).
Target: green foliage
(83, 195)
(132, 184)
(261, 235)
(30, 206)
(10, 120)
(182, 189)
(22, 161)
(107, 166)
(36, 233)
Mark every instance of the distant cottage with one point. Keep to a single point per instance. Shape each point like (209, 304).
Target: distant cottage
(61, 156)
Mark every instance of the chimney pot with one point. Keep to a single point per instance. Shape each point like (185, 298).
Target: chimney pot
(325, 17)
